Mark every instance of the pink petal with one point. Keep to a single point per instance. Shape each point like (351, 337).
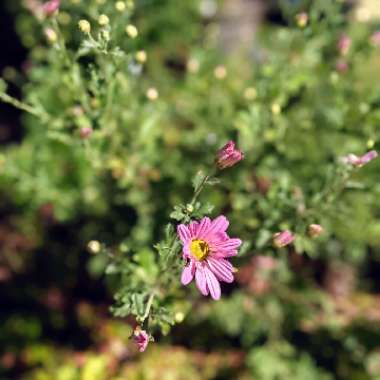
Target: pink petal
(200, 280)
(368, 157)
(219, 224)
(226, 245)
(193, 228)
(203, 227)
(221, 268)
(183, 233)
(188, 273)
(212, 284)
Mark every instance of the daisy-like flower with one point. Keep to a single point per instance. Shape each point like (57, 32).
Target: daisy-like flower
(207, 248)
(357, 161)
(141, 338)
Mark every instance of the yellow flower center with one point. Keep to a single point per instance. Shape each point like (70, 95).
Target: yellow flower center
(199, 249)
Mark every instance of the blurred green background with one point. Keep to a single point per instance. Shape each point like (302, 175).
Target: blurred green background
(255, 71)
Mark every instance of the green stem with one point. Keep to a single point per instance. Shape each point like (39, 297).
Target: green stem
(22, 106)
(148, 307)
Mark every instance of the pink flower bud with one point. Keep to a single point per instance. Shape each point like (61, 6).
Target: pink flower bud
(344, 44)
(228, 156)
(85, 132)
(341, 66)
(302, 19)
(141, 338)
(51, 7)
(315, 230)
(354, 160)
(375, 38)
(281, 239)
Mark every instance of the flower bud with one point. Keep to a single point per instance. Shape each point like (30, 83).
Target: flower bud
(302, 19)
(344, 44)
(85, 132)
(84, 26)
(94, 246)
(51, 35)
(315, 230)
(220, 72)
(282, 239)
(141, 56)
(375, 38)
(120, 6)
(141, 338)
(50, 8)
(228, 156)
(131, 31)
(103, 20)
(152, 93)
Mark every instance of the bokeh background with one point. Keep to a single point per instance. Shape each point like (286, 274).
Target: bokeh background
(243, 69)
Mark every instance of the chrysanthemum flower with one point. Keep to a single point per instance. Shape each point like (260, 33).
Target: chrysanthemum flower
(141, 339)
(207, 248)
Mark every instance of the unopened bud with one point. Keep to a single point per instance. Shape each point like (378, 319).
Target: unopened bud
(94, 246)
(84, 26)
(131, 31)
(315, 230)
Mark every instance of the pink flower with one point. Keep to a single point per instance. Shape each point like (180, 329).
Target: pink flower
(207, 247)
(315, 230)
(141, 338)
(228, 156)
(375, 38)
(281, 239)
(344, 44)
(354, 160)
(50, 7)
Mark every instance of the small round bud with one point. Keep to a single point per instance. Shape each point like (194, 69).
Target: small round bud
(51, 35)
(141, 56)
(250, 93)
(120, 6)
(152, 93)
(94, 246)
(302, 19)
(220, 72)
(84, 26)
(179, 317)
(190, 207)
(50, 8)
(192, 65)
(85, 132)
(131, 31)
(103, 20)
(276, 108)
(315, 230)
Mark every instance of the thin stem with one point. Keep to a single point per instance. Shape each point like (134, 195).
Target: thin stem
(148, 307)
(21, 105)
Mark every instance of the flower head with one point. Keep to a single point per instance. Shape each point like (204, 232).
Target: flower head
(281, 239)
(207, 248)
(228, 156)
(360, 161)
(50, 7)
(314, 230)
(141, 338)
